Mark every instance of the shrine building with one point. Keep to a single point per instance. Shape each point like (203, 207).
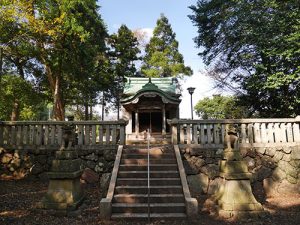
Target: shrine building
(147, 103)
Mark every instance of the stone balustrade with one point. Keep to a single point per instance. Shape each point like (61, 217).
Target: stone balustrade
(48, 134)
(252, 132)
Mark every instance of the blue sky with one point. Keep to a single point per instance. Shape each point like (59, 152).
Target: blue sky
(143, 14)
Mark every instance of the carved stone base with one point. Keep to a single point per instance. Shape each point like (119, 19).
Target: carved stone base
(236, 198)
(63, 194)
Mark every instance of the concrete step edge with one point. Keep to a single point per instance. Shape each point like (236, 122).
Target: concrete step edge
(145, 215)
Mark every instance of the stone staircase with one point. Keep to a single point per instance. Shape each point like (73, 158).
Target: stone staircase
(130, 199)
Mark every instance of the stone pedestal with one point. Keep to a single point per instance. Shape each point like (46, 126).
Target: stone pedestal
(64, 190)
(235, 197)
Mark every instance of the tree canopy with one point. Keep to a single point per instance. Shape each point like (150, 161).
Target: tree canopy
(253, 48)
(124, 52)
(220, 107)
(65, 39)
(162, 57)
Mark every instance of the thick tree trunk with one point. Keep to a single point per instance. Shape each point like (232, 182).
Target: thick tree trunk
(15, 112)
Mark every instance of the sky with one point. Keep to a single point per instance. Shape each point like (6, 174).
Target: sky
(143, 14)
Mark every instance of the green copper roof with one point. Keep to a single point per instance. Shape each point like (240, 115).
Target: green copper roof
(166, 87)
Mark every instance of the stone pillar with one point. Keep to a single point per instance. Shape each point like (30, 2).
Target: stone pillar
(164, 121)
(64, 190)
(235, 197)
(137, 124)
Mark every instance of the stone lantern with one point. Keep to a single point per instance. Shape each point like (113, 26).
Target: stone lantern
(64, 191)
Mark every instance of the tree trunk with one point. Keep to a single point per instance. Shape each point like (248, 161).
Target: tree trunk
(86, 111)
(1, 63)
(91, 112)
(59, 109)
(16, 111)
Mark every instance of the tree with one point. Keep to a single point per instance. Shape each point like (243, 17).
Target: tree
(162, 57)
(124, 53)
(253, 47)
(67, 37)
(220, 107)
(17, 91)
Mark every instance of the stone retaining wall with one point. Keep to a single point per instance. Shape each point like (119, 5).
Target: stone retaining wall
(35, 163)
(275, 170)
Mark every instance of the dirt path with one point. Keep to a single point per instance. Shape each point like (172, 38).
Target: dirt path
(18, 200)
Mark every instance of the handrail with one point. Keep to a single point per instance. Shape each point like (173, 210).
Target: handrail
(105, 203)
(230, 121)
(148, 162)
(191, 203)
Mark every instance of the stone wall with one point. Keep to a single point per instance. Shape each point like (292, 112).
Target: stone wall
(35, 163)
(275, 170)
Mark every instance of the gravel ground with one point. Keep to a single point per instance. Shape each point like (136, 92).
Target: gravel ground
(18, 205)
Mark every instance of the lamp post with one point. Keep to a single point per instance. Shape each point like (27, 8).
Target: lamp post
(191, 91)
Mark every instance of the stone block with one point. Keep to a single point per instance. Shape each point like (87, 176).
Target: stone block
(291, 179)
(261, 172)
(260, 150)
(105, 209)
(6, 158)
(89, 176)
(198, 184)
(270, 151)
(278, 174)
(109, 155)
(287, 149)
(286, 157)
(295, 154)
(268, 162)
(231, 167)
(191, 207)
(211, 170)
(250, 162)
(66, 165)
(104, 183)
(215, 185)
(295, 163)
(63, 194)
(278, 156)
(92, 157)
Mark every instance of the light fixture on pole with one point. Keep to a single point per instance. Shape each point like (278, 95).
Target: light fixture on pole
(191, 91)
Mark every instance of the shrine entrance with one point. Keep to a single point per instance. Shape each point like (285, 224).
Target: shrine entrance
(151, 121)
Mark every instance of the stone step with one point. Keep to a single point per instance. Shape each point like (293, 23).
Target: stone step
(153, 198)
(118, 216)
(153, 167)
(144, 174)
(144, 181)
(145, 151)
(170, 189)
(145, 161)
(143, 208)
(151, 156)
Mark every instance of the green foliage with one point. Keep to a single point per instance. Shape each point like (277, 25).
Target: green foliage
(123, 54)
(162, 57)
(220, 107)
(16, 91)
(64, 40)
(255, 45)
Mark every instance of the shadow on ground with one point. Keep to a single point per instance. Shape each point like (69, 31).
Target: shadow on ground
(19, 206)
